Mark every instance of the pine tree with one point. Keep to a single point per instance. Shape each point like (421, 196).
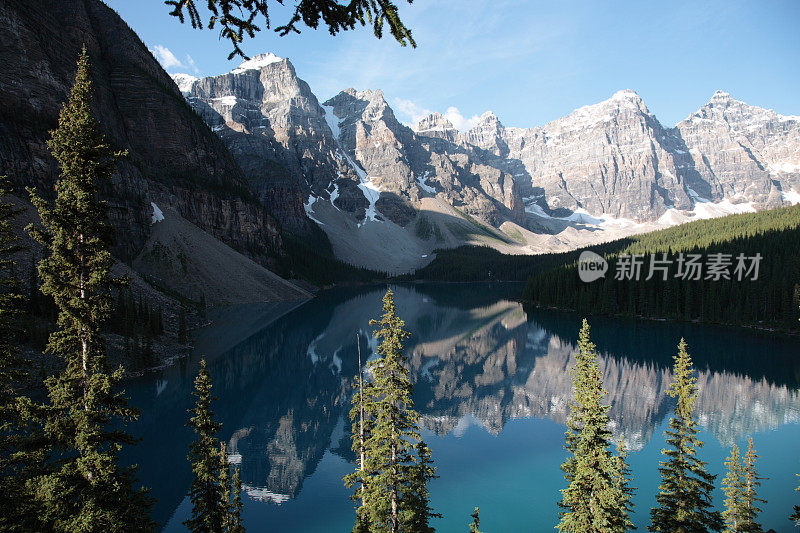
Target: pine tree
(751, 483)
(419, 511)
(733, 487)
(476, 521)
(209, 512)
(594, 499)
(684, 498)
(86, 489)
(388, 446)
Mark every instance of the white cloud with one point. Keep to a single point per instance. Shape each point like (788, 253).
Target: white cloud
(410, 112)
(459, 121)
(413, 113)
(165, 56)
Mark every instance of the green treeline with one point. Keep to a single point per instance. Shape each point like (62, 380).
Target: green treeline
(314, 261)
(771, 300)
(481, 263)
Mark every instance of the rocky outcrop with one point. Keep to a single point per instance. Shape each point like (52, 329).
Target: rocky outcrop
(428, 161)
(276, 130)
(173, 157)
(612, 157)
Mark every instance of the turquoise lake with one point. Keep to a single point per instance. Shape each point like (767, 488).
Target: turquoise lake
(492, 386)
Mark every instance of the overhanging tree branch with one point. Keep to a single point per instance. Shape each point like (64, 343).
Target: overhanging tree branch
(237, 18)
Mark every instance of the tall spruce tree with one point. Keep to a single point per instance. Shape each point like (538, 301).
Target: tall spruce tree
(733, 487)
(418, 502)
(226, 488)
(751, 483)
(740, 486)
(684, 498)
(231, 488)
(595, 499)
(86, 489)
(389, 444)
(209, 506)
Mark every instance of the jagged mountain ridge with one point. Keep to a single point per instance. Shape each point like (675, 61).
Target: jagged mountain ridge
(378, 187)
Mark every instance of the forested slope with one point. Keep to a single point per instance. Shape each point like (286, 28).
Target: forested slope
(739, 297)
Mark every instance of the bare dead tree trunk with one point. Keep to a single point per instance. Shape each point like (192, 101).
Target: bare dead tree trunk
(395, 520)
(83, 335)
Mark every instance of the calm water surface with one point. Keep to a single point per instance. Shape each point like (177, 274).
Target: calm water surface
(492, 386)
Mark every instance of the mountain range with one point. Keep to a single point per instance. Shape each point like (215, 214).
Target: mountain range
(387, 195)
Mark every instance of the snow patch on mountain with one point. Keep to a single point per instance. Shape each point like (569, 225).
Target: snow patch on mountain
(704, 209)
(594, 115)
(158, 215)
(785, 166)
(229, 100)
(793, 197)
(309, 208)
(332, 120)
(257, 62)
(422, 181)
(372, 192)
(334, 194)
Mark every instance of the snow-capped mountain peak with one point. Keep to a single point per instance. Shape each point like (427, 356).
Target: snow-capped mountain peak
(434, 122)
(720, 95)
(257, 62)
(184, 81)
(626, 94)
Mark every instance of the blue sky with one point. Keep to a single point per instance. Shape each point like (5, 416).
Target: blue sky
(528, 61)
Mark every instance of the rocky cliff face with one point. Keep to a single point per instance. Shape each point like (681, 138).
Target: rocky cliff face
(741, 151)
(612, 157)
(274, 127)
(425, 163)
(173, 157)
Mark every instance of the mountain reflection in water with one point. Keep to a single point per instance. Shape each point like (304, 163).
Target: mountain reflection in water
(477, 358)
